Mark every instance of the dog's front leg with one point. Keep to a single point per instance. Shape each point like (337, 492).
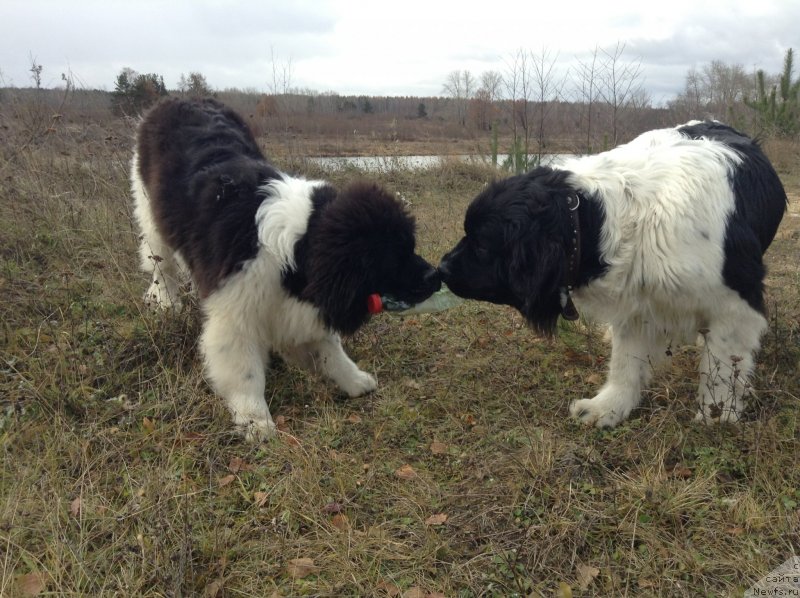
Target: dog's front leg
(629, 371)
(235, 366)
(336, 365)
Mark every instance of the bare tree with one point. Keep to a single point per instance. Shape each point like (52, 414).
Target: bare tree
(619, 81)
(280, 82)
(484, 99)
(587, 94)
(518, 89)
(532, 86)
(547, 88)
(460, 85)
(726, 83)
(36, 72)
(716, 90)
(693, 93)
(723, 86)
(491, 83)
(279, 87)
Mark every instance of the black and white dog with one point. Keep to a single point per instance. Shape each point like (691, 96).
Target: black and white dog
(660, 238)
(281, 264)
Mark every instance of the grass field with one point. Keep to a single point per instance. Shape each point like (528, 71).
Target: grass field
(461, 476)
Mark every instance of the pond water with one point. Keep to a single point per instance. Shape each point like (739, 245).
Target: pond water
(383, 163)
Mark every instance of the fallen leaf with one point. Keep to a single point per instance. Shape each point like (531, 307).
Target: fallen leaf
(289, 440)
(332, 507)
(438, 448)
(646, 583)
(280, 423)
(575, 357)
(437, 519)
(585, 575)
(435, 595)
(390, 589)
(31, 584)
(238, 464)
(340, 522)
(735, 531)
(354, 418)
(302, 567)
(213, 589)
(260, 498)
(406, 472)
(415, 592)
(224, 481)
(682, 472)
(594, 379)
(563, 591)
(148, 425)
(75, 507)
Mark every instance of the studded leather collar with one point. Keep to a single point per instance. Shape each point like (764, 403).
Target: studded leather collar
(570, 280)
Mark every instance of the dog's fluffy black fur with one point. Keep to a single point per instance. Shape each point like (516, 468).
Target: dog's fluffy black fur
(281, 264)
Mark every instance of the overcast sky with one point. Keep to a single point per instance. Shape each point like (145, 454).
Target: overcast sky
(381, 47)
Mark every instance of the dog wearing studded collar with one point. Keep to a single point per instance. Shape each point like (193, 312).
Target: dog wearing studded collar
(659, 238)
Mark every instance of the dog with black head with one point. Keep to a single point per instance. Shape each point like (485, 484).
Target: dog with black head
(660, 238)
(281, 264)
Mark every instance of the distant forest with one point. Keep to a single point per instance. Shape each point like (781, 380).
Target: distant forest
(526, 108)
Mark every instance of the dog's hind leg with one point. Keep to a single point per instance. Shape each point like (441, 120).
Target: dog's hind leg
(235, 366)
(156, 257)
(731, 341)
(630, 370)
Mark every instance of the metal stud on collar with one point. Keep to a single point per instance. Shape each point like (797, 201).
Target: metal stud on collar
(573, 202)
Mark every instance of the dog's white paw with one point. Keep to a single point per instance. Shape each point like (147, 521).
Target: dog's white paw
(711, 414)
(360, 384)
(606, 410)
(158, 296)
(256, 430)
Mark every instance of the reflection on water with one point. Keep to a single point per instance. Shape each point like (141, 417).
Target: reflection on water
(382, 163)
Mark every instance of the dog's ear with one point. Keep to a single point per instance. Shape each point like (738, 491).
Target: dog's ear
(352, 237)
(536, 264)
(339, 282)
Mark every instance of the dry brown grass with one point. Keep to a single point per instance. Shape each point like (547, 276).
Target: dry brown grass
(121, 476)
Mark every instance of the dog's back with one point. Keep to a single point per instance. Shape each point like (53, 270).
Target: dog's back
(202, 169)
(759, 195)
(178, 137)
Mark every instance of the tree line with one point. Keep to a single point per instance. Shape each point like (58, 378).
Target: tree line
(529, 107)
(604, 98)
